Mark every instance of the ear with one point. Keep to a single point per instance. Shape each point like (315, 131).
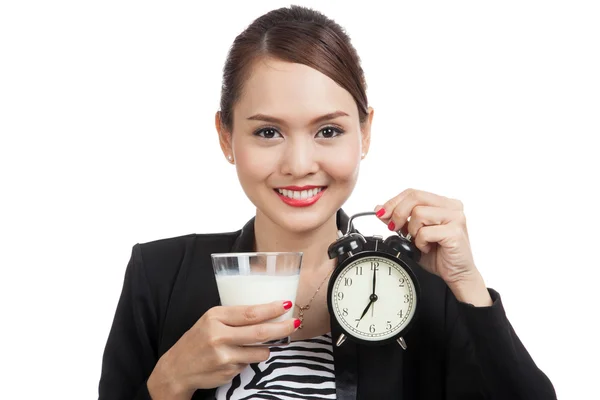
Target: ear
(366, 132)
(224, 138)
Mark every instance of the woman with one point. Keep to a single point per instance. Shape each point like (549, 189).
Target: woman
(295, 121)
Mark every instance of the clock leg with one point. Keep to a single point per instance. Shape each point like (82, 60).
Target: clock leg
(340, 340)
(401, 342)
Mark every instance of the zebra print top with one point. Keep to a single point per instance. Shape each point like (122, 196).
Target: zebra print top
(301, 370)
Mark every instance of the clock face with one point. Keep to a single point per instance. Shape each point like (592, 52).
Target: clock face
(368, 315)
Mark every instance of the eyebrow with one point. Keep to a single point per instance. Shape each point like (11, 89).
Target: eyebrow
(322, 118)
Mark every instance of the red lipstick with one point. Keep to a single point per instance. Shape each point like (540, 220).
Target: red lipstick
(301, 202)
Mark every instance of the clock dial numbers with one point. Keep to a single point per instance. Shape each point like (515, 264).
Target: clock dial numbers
(391, 306)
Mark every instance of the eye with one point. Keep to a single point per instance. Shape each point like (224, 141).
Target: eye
(330, 132)
(267, 133)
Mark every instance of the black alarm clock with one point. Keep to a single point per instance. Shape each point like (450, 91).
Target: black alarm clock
(373, 292)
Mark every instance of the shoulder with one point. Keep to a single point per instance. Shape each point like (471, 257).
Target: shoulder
(160, 268)
(179, 245)
(166, 255)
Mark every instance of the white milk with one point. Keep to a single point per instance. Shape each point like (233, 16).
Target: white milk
(236, 290)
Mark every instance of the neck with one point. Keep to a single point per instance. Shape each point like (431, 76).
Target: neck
(314, 243)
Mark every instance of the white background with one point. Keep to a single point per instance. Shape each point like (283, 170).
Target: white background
(107, 140)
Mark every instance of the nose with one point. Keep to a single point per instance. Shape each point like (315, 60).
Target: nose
(299, 158)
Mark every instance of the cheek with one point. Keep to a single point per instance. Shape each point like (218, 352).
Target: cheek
(252, 164)
(343, 163)
(342, 169)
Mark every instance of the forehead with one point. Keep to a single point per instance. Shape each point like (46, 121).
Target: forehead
(292, 91)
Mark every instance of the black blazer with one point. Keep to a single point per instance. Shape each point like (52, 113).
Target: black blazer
(455, 350)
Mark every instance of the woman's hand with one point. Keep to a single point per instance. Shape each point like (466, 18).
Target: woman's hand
(438, 228)
(211, 353)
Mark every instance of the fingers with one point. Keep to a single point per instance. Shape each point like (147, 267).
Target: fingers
(251, 355)
(426, 216)
(250, 315)
(232, 369)
(260, 333)
(243, 325)
(226, 373)
(234, 359)
(450, 235)
(238, 357)
(433, 210)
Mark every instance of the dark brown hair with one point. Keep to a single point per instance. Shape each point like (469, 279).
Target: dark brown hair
(299, 35)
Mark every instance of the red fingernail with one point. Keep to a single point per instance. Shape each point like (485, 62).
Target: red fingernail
(287, 305)
(380, 212)
(297, 323)
(391, 225)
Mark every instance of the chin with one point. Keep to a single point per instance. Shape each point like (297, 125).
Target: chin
(301, 222)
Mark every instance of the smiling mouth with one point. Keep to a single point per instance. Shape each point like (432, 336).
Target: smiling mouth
(300, 194)
(301, 198)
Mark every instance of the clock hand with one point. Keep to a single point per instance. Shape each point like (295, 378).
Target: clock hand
(373, 296)
(366, 309)
(374, 279)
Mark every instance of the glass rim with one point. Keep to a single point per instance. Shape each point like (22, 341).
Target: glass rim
(256, 254)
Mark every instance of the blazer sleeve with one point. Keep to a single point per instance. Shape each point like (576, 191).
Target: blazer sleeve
(130, 354)
(486, 359)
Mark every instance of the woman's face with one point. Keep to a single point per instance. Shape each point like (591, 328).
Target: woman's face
(296, 142)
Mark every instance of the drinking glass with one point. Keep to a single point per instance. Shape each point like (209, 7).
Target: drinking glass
(258, 278)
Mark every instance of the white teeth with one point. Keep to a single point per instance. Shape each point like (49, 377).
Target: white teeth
(304, 194)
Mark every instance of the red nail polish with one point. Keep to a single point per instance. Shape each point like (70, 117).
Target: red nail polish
(391, 225)
(297, 323)
(287, 305)
(380, 212)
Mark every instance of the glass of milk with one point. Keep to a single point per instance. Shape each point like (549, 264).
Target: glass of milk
(258, 278)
